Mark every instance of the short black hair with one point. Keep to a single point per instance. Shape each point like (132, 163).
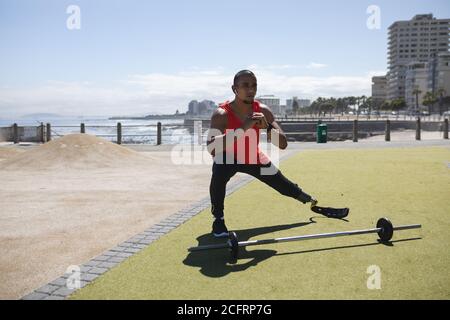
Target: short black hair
(242, 73)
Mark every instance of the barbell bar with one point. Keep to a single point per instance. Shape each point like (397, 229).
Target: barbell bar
(384, 228)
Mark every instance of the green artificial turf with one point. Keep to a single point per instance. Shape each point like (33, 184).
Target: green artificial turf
(408, 185)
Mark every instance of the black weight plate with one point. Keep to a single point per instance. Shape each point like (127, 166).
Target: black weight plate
(234, 245)
(387, 230)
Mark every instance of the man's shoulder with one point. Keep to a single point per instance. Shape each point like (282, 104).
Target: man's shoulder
(219, 114)
(264, 108)
(266, 111)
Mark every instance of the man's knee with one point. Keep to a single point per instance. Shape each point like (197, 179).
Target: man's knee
(269, 170)
(287, 187)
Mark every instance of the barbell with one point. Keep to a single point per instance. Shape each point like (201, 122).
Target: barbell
(384, 228)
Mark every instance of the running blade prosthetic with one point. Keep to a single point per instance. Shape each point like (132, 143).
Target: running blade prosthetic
(337, 213)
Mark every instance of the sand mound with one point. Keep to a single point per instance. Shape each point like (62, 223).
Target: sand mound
(9, 152)
(76, 151)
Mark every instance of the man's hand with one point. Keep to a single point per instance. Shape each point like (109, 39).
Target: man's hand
(261, 120)
(257, 119)
(276, 135)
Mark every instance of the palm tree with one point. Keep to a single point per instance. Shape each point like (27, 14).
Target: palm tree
(350, 101)
(441, 92)
(319, 101)
(315, 106)
(357, 105)
(333, 102)
(295, 106)
(338, 105)
(345, 102)
(368, 104)
(386, 105)
(428, 100)
(397, 104)
(325, 106)
(416, 92)
(363, 98)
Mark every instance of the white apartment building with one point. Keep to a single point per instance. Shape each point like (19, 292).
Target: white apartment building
(416, 77)
(416, 40)
(193, 107)
(272, 102)
(379, 90)
(205, 107)
(301, 103)
(439, 73)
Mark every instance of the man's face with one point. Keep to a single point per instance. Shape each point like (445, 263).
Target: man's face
(246, 88)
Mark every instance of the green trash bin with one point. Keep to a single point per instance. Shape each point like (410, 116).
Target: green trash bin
(322, 133)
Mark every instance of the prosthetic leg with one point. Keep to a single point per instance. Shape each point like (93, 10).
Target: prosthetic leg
(337, 213)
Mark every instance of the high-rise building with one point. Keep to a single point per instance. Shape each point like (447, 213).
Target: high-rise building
(416, 84)
(272, 102)
(193, 107)
(439, 73)
(379, 91)
(301, 103)
(205, 107)
(416, 40)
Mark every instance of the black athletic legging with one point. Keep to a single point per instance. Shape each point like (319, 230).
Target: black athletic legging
(222, 173)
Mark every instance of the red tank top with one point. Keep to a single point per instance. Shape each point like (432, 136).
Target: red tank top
(246, 147)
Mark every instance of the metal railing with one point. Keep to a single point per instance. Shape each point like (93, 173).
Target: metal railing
(187, 134)
(361, 117)
(131, 134)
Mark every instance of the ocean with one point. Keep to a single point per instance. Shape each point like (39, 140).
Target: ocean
(133, 131)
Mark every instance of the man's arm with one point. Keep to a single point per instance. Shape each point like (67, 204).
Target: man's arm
(217, 129)
(217, 134)
(276, 131)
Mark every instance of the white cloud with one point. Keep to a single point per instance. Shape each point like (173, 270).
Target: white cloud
(377, 73)
(256, 67)
(315, 65)
(164, 93)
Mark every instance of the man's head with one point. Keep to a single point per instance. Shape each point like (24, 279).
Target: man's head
(245, 86)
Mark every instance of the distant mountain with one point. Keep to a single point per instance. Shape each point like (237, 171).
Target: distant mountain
(41, 115)
(151, 116)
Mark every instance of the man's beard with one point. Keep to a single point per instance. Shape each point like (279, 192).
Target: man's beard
(247, 101)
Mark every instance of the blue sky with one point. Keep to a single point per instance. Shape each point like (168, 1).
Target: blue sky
(139, 57)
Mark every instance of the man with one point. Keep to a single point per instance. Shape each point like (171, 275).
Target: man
(233, 142)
